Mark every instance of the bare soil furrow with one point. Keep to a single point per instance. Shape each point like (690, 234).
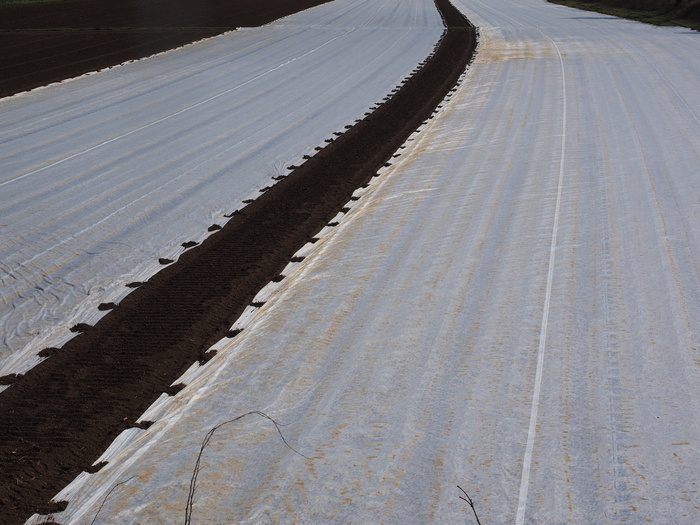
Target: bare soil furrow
(139, 27)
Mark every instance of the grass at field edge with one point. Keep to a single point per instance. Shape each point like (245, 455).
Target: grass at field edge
(659, 18)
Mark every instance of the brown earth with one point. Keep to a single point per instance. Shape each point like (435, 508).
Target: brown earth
(59, 417)
(44, 42)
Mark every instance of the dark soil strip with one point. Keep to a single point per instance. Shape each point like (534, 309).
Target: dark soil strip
(44, 42)
(685, 13)
(59, 417)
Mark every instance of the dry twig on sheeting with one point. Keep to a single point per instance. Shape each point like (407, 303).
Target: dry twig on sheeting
(470, 502)
(197, 466)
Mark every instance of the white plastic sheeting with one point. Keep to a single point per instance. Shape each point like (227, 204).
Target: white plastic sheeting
(103, 175)
(556, 191)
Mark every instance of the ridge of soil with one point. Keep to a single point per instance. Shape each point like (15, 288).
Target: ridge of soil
(47, 42)
(59, 417)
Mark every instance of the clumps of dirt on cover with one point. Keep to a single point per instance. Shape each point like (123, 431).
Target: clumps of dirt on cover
(10, 379)
(44, 42)
(48, 352)
(61, 416)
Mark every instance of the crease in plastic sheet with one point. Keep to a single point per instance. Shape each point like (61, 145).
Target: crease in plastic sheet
(190, 374)
(157, 409)
(122, 441)
(246, 318)
(267, 292)
(76, 485)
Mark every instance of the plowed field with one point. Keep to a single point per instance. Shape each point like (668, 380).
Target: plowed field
(47, 42)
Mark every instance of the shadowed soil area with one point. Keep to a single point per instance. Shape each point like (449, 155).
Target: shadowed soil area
(44, 42)
(59, 417)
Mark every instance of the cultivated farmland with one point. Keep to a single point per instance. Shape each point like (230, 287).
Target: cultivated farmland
(510, 306)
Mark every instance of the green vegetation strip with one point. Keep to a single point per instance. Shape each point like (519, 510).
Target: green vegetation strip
(660, 16)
